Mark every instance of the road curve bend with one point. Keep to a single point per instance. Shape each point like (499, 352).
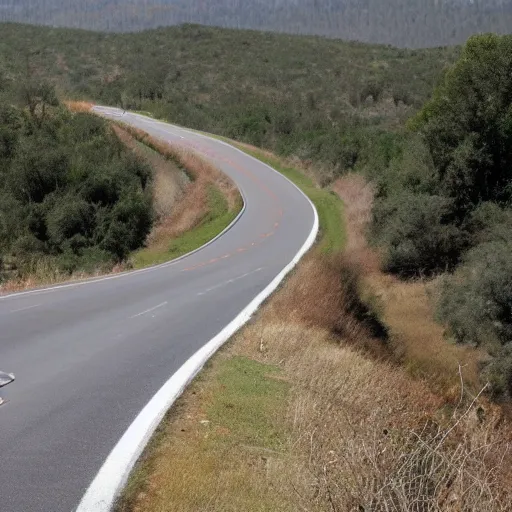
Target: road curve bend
(98, 362)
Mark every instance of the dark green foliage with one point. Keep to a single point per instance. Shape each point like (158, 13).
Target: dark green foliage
(445, 198)
(468, 124)
(69, 192)
(418, 234)
(476, 305)
(477, 301)
(498, 373)
(459, 158)
(289, 94)
(128, 225)
(71, 217)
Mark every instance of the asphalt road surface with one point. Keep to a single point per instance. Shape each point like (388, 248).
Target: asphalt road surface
(89, 356)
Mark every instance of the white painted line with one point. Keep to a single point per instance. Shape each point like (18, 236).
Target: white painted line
(111, 478)
(150, 310)
(225, 283)
(24, 309)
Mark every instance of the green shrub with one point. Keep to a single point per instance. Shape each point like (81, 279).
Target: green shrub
(489, 222)
(70, 217)
(37, 170)
(70, 193)
(130, 223)
(411, 169)
(101, 189)
(476, 302)
(27, 246)
(476, 306)
(417, 233)
(498, 373)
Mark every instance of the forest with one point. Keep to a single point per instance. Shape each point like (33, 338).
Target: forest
(403, 23)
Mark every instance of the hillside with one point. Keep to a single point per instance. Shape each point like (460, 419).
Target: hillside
(298, 95)
(404, 23)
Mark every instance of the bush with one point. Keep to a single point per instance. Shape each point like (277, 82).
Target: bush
(417, 233)
(130, 223)
(37, 170)
(410, 170)
(69, 218)
(70, 193)
(489, 222)
(476, 302)
(498, 373)
(101, 189)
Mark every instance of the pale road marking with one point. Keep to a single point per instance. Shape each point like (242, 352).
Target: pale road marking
(225, 283)
(24, 309)
(150, 310)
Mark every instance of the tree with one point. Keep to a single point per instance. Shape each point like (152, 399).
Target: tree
(468, 124)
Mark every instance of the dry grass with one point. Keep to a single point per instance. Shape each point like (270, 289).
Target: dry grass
(79, 106)
(357, 195)
(356, 433)
(416, 340)
(169, 181)
(193, 206)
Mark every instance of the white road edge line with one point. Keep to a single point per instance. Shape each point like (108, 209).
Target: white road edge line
(229, 281)
(150, 310)
(113, 475)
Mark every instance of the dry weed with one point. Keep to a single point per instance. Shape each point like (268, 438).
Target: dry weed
(192, 206)
(365, 436)
(79, 106)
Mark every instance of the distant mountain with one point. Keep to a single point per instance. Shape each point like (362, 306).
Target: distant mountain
(406, 23)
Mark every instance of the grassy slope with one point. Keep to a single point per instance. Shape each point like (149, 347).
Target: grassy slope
(218, 217)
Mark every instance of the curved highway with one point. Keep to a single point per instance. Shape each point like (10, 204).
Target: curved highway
(89, 356)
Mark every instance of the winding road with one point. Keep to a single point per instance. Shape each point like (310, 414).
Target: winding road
(93, 359)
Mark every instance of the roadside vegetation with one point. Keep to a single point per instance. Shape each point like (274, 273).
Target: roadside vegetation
(80, 196)
(365, 383)
(307, 409)
(72, 198)
(443, 204)
(194, 201)
(316, 99)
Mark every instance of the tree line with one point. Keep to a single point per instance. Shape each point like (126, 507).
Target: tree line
(403, 23)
